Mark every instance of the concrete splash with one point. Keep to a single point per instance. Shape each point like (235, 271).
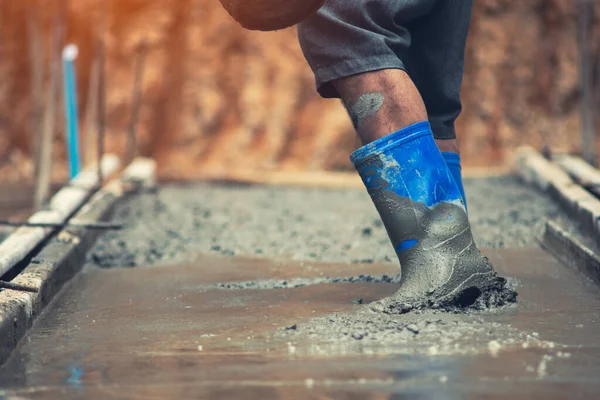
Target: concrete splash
(366, 105)
(429, 333)
(300, 282)
(500, 293)
(485, 293)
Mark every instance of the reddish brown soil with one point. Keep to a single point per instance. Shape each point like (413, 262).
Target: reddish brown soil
(218, 98)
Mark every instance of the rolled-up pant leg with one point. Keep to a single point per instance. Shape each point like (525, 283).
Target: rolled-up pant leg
(426, 38)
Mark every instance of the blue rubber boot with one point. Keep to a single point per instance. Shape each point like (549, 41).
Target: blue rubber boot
(453, 163)
(425, 217)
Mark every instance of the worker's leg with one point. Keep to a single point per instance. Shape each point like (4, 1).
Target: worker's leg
(381, 102)
(435, 62)
(413, 190)
(355, 49)
(348, 37)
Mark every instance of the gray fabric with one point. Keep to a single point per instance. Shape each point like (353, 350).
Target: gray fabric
(426, 38)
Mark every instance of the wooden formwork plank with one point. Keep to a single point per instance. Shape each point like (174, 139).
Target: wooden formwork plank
(59, 260)
(582, 172)
(62, 205)
(548, 176)
(571, 249)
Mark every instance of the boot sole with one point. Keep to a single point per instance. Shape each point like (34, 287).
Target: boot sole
(480, 291)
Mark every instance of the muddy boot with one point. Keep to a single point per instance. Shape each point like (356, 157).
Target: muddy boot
(269, 15)
(425, 217)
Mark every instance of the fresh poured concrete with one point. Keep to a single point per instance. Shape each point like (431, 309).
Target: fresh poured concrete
(294, 320)
(174, 332)
(309, 224)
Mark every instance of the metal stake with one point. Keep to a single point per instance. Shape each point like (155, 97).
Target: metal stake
(37, 89)
(42, 185)
(74, 224)
(136, 97)
(101, 109)
(14, 286)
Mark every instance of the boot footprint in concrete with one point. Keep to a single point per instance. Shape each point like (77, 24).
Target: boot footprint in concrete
(425, 217)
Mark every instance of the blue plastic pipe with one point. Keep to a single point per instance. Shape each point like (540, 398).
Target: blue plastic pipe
(70, 102)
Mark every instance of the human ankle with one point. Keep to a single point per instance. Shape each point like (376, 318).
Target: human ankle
(448, 145)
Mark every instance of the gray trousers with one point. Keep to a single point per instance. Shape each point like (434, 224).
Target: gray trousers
(425, 38)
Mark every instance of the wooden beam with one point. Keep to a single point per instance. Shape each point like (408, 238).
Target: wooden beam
(586, 80)
(62, 206)
(136, 98)
(43, 178)
(37, 87)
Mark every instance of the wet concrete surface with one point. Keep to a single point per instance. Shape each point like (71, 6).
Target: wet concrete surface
(176, 332)
(311, 224)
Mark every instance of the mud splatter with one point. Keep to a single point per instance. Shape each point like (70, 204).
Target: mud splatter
(367, 104)
(501, 293)
(497, 293)
(300, 282)
(431, 333)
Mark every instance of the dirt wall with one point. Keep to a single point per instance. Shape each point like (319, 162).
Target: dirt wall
(217, 98)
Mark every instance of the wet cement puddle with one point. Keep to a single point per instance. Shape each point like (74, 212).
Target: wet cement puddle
(176, 332)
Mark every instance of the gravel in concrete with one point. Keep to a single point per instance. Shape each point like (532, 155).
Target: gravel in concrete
(314, 224)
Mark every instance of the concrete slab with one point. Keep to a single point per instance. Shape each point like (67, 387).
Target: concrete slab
(169, 332)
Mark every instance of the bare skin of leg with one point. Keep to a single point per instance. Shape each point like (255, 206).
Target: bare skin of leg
(382, 102)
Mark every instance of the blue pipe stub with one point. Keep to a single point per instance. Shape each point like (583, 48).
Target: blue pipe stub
(70, 104)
